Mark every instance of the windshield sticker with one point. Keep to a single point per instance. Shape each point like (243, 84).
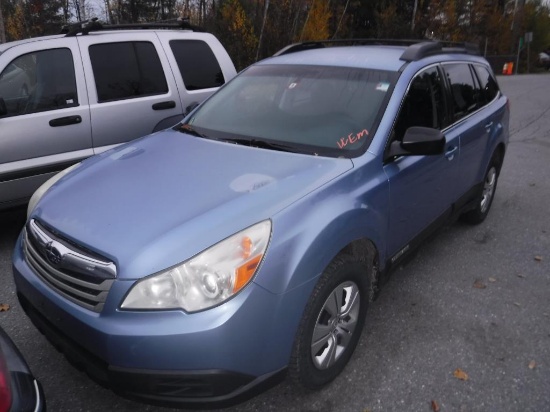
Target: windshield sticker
(352, 138)
(383, 86)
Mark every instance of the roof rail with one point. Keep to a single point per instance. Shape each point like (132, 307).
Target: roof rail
(431, 47)
(416, 49)
(94, 24)
(296, 47)
(420, 50)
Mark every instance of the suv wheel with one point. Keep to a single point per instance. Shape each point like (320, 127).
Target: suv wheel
(331, 324)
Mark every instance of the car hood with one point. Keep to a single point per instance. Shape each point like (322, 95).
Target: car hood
(159, 200)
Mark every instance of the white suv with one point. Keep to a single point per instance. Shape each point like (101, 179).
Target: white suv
(66, 97)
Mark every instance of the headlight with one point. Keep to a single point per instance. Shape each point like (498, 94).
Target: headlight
(207, 279)
(37, 195)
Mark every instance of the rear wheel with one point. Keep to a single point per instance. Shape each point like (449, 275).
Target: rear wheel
(331, 324)
(485, 199)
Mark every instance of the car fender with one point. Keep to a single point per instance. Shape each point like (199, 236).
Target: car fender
(302, 248)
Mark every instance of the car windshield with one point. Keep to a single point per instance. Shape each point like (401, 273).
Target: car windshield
(323, 110)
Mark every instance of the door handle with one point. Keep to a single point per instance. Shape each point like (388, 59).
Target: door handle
(164, 105)
(488, 126)
(450, 154)
(65, 121)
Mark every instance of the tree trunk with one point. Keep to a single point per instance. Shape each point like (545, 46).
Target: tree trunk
(262, 30)
(341, 18)
(414, 15)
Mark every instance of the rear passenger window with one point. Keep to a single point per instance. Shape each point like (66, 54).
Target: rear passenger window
(465, 95)
(38, 82)
(127, 70)
(198, 66)
(489, 87)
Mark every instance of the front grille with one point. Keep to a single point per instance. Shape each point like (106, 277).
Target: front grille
(75, 273)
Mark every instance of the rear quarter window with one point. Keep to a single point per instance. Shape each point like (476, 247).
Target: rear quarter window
(197, 63)
(489, 87)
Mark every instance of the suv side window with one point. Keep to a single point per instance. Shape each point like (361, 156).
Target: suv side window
(39, 81)
(198, 66)
(127, 70)
(424, 104)
(489, 87)
(465, 94)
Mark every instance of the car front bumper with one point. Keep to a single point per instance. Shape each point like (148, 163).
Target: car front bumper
(218, 356)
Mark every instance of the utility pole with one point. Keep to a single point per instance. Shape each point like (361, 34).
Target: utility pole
(2, 27)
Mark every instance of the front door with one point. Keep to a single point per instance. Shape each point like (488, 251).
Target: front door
(44, 115)
(421, 187)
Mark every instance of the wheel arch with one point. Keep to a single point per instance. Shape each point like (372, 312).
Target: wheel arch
(302, 250)
(364, 250)
(500, 150)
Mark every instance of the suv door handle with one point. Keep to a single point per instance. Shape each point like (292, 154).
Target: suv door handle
(65, 121)
(450, 154)
(489, 125)
(164, 105)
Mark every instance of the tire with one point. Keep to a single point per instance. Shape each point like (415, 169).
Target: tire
(332, 323)
(485, 198)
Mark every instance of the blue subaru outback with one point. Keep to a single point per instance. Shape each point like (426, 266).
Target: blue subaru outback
(200, 263)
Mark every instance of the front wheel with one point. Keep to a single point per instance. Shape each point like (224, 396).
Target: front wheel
(331, 324)
(485, 199)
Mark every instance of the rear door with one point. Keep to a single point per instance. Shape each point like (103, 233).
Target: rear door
(131, 87)
(45, 119)
(472, 120)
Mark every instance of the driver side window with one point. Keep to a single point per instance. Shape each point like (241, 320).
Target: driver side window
(423, 105)
(39, 81)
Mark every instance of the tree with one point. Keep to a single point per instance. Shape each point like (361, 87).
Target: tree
(15, 23)
(536, 19)
(236, 32)
(388, 20)
(317, 20)
(2, 27)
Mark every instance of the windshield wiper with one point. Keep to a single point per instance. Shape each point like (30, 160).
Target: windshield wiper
(187, 128)
(262, 144)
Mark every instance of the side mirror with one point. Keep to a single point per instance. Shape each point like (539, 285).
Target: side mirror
(3, 108)
(419, 141)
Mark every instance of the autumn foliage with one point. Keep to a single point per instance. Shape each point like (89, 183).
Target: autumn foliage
(252, 29)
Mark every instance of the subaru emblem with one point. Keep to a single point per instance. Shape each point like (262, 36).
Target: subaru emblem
(53, 254)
